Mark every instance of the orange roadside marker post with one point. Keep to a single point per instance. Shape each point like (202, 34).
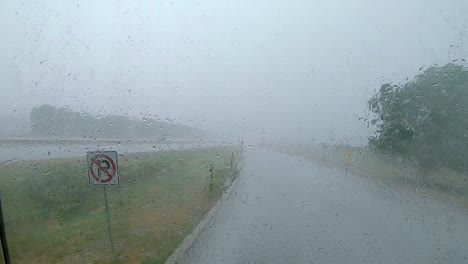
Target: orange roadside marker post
(348, 160)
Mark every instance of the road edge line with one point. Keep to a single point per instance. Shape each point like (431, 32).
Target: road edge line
(189, 240)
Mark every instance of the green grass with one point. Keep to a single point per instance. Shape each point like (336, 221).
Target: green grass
(53, 215)
(441, 183)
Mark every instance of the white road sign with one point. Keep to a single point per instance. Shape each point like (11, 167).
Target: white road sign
(102, 167)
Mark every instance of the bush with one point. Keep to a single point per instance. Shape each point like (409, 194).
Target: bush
(425, 119)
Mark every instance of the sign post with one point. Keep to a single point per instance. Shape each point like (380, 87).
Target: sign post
(109, 227)
(103, 170)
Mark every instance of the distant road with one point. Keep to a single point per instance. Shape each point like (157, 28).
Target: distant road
(35, 150)
(286, 210)
(35, 140)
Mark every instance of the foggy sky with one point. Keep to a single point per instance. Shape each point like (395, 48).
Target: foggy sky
(298, 70)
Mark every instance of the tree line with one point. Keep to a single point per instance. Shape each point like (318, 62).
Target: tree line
(51, 121)
(425, 119)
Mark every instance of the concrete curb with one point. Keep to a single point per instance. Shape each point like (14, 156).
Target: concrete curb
(188, 242)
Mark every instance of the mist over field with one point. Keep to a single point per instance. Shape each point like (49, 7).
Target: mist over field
(296, 71)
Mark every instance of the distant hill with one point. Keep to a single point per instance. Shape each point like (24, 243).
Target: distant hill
(62, 122)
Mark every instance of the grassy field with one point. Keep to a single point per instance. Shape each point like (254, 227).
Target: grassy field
(53, 215)
(392, 171)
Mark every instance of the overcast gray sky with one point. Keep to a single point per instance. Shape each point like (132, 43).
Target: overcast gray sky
(298, 69)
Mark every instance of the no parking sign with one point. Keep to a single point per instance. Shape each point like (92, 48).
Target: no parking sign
(103, 170)
(102, 167)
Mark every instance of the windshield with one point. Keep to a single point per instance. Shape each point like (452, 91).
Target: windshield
(234, 131)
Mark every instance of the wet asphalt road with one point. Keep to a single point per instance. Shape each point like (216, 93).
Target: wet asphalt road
(286, 210)
(16, 152)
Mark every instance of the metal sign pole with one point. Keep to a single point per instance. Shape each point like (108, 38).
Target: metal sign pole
(109, 227)
(102, 170)
(3, 239)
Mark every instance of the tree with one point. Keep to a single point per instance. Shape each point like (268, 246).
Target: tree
(62, 122)
(425, 119)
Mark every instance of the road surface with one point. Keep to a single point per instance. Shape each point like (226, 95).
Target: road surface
(14, 152)
(285, 210)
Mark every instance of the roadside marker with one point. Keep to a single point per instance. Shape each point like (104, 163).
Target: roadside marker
(348, 161)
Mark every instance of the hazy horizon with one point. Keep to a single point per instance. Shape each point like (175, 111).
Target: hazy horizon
(296, 71)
